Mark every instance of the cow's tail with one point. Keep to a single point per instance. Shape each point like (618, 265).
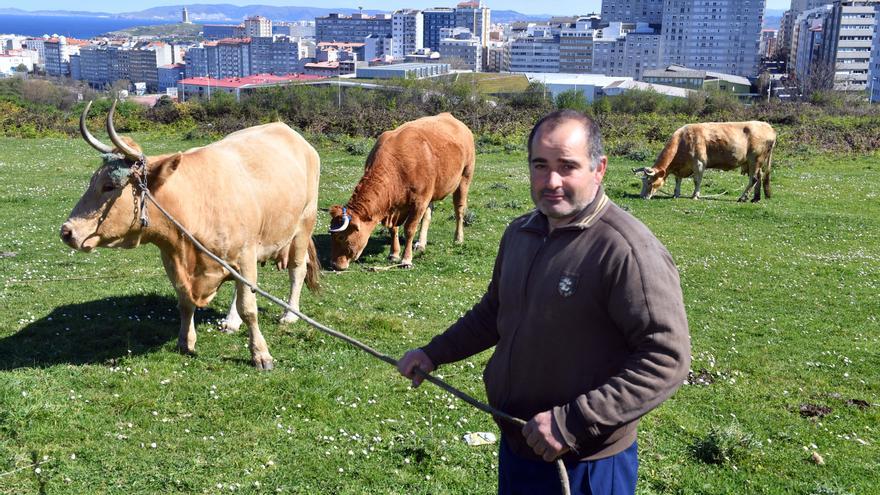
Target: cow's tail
(313, 268)
(765, 170)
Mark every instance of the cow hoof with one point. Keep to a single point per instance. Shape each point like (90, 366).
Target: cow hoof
(230, 326)
(419, 247)
(263, 363)
(406, 266)
(185, 349)
(289, 318)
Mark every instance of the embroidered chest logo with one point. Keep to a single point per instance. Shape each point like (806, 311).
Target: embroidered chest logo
(567, 285)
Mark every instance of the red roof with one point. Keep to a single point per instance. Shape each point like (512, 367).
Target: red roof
(256, 80)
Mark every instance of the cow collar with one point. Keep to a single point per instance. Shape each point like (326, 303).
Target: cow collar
(139, 180)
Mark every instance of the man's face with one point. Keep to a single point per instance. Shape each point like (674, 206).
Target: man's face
(559, 171)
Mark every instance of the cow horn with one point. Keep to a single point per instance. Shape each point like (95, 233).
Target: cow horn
(650, 172)
(94, 143)
(124, 148)
(637, 170)
(346, 219)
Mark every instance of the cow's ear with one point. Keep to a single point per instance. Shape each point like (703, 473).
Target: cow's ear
(161, 170)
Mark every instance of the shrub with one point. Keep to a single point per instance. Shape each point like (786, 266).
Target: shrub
(573, 100)
(723, 445)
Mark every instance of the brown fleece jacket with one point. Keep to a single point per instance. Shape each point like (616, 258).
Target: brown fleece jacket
(587, 321)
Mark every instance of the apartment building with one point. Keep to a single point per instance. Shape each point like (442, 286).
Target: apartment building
(535, 53)
(476, 18)
(434, 20)
(257, 27)
(848, 33)
(56, 58)
(471, 15)
(339, 28)
(461, 49)
(295, 29)
(874, 71)
(767, 45)
(807, 37)
(214, 32)
(169, 75)
(37, 45)
(576, 48)
(718, 35)
(785, 42)
(632, 11)
(624, 49)
(407, 30)
(496, 57)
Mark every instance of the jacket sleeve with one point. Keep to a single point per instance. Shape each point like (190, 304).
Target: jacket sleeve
(645, 303)
(474, 332)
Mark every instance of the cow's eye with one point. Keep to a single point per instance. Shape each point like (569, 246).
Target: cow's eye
(108, 187)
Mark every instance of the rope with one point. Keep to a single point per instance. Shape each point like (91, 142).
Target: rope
(560, 465)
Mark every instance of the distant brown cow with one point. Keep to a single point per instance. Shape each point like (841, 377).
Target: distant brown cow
(722, 145)
(419, 162)
(250, 197)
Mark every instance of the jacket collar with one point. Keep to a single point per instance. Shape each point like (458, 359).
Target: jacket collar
(537, 221)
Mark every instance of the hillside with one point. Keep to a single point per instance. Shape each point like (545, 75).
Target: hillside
(162, 30)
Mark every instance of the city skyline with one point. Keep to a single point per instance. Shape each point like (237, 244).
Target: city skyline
(562, 7)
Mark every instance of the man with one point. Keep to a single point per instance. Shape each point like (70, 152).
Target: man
(586, 315)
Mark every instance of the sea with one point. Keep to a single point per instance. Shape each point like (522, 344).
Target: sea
(71, 26)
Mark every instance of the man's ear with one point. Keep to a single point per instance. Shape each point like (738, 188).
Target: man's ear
(161, 170)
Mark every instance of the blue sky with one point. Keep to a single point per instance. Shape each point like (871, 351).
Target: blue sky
(524, 6)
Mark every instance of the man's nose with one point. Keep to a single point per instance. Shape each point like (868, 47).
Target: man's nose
(554, 180)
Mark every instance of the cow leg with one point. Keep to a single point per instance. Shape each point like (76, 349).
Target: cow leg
(232, 322)
(409, 228)
(459, 201)
(757, 186)
(394, 255)
(422, 243)
(752, 181)
(299, 257)
(699, 168)
(247, 308)
(677, 192)
(186, 338)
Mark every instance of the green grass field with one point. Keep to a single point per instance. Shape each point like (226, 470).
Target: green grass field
(782, 299)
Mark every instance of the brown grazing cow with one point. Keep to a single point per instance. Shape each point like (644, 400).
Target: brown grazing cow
(251, 197)
(722, 145)
(410, 167)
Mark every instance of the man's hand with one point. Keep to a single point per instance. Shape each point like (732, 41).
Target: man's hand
(415, 358)
(544, 437)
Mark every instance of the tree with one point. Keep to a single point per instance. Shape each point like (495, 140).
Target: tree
(573, 100)
(820, 77)
(21, 68)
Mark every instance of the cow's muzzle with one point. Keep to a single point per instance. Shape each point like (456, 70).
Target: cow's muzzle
(67, 235)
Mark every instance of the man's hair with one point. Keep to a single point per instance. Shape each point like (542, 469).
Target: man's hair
(591, 130)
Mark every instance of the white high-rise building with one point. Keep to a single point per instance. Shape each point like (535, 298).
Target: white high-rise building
(874, 71)
(721, 35)
(538, 52)
(258, 27)
(407, 31)
(848, 33)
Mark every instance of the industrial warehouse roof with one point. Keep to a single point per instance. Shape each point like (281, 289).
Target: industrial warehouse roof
(242, 82)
